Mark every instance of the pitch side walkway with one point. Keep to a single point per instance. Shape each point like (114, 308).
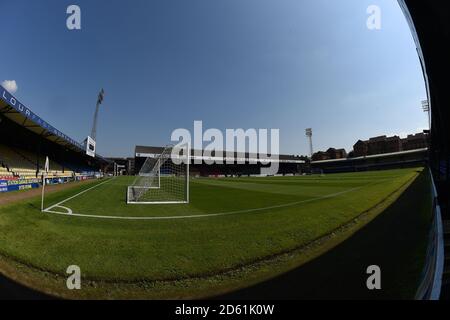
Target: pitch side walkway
(396, 241)
(16, 196)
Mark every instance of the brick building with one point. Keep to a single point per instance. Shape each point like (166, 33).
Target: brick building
(384, 144)
(393, 144)
(336, 153)
(331, 153)
(361, 148)
(415, 141)
(319, 156)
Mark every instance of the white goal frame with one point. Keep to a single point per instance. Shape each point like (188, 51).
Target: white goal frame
(158, 186)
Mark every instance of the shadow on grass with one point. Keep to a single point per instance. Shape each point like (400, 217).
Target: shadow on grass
(396, 241)
(34, 207)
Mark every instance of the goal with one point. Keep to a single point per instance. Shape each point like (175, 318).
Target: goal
(163, 179)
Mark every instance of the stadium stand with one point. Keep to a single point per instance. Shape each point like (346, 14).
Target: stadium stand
(25, 142)
(394, 160)
(5, 174)
(23, 164)
(288, 164)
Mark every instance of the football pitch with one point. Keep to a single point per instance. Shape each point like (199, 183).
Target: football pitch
(233, 233)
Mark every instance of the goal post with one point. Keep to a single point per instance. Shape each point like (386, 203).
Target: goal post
(163, 179)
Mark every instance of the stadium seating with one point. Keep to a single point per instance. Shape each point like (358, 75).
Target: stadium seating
(5, 174)
(22, 164)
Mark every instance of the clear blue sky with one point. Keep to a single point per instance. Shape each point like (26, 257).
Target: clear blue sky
(287, 64)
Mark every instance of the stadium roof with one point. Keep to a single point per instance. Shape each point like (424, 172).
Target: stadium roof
(144, 151)
(13, 109)
(373, 156)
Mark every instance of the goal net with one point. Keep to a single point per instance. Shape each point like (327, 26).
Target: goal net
(162, 180)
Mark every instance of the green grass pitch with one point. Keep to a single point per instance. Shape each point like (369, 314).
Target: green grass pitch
(234, 232)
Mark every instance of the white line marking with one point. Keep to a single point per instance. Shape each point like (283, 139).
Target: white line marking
(69, 211)
(78, 194)
(291, 204)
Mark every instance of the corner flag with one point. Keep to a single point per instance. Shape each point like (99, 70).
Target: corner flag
(44, 176)
(47, 165)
